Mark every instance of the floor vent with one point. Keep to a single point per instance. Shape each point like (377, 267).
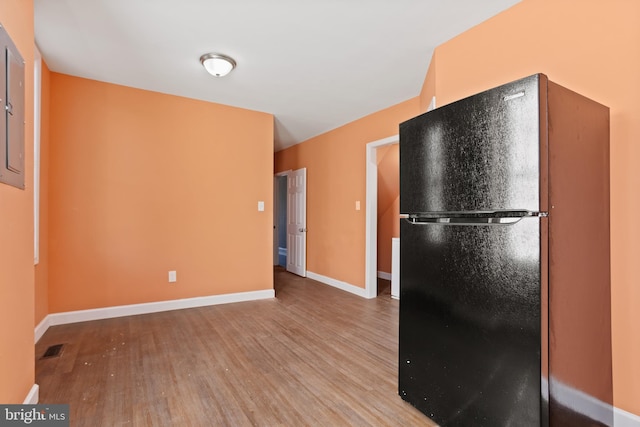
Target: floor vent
(53, 351)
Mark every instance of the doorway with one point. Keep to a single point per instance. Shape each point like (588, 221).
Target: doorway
(371, 224)
(371, 221)
(290, 221)
(280, 222)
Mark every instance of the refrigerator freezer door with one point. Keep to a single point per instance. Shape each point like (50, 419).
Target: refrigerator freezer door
(481, 153)
(470, 315)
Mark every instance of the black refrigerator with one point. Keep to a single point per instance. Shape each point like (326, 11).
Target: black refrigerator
(504, 259)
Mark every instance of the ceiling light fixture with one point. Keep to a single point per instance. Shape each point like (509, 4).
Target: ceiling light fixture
(217, 64)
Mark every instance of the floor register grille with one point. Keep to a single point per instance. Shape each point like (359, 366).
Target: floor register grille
(53, 351)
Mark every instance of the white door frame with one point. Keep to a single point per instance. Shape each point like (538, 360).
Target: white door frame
(371, 222)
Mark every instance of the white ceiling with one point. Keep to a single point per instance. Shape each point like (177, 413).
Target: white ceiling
(314, 65)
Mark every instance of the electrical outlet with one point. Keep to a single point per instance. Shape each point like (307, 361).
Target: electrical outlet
(172, 276)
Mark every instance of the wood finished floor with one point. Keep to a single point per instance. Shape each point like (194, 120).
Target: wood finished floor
(313, 356)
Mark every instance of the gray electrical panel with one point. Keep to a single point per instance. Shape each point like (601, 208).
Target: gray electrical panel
(12, 118)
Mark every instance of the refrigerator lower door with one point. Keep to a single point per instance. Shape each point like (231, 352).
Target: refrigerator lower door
(470, 323)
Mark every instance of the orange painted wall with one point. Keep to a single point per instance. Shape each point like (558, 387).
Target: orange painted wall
(591, 47)
(388, 158)
(42, 268)
(16, 233)
(141, 183)
(336, 163)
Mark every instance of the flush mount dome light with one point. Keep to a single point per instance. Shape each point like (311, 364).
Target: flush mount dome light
(217, 64)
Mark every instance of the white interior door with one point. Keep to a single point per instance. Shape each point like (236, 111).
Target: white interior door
(297, 222)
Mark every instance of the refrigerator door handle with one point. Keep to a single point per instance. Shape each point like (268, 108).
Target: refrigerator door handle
(495, 221)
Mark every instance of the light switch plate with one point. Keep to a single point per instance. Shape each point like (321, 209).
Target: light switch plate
(261, 206)
(172, 276)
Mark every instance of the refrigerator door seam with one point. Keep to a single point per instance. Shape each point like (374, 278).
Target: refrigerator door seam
(477, 214)
(465, 221)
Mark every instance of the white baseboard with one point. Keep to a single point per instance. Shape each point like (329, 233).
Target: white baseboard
(582, 402)
(622, 418)
(33, 396)
(41, 328)
(357, 290)
(384, 275)
(591, 407)
(145, 308)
